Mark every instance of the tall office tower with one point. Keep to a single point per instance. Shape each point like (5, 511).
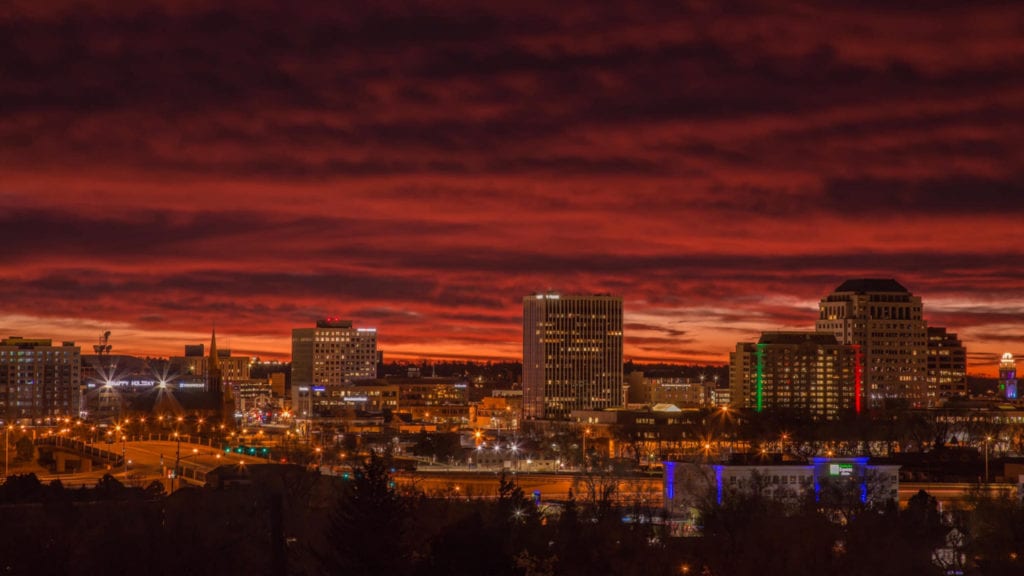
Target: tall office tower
(886, 321)
(809, 373)
(1008, 376)
(38, 380)
(947, 363)
(332, 354)
(572, 354)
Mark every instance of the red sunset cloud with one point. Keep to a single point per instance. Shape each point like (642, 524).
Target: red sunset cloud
(421, 167)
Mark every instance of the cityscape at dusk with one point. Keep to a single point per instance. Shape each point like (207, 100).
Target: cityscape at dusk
(168, 166)
(511, 288)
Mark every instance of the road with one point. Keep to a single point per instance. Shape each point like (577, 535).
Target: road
(629, 490)
(151, 460)
(646, 490)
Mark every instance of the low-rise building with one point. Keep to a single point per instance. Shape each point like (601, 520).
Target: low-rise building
(686, 483)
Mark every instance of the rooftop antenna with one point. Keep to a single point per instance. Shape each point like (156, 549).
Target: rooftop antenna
(104, 346)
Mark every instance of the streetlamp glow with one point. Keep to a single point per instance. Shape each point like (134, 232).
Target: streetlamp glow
(987, 440)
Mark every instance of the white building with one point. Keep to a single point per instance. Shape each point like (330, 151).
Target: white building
(686, 483)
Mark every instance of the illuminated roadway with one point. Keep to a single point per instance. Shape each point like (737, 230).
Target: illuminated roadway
(647, 490)
(151, 459)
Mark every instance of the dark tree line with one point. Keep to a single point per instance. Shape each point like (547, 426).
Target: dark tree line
(287, 520)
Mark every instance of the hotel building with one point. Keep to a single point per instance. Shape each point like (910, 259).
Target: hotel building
(808, 373)
(333, 354)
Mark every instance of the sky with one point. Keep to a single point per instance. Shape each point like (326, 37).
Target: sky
(421, 167)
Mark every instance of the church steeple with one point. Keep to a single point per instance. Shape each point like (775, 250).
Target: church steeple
(214, 360)
(213, 374)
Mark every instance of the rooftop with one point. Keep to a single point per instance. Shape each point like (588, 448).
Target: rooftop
(864, 285)
(794, 337)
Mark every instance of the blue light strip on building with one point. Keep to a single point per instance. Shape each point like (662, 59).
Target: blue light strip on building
(718, 482)
(670, 481)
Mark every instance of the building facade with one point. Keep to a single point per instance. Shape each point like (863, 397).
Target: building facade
(873, 483)
(882, 317)
(232, 368)
(572, 354)
(333, 354)
(947, 363)
(683, 392)
(39, 381)
(808, 373)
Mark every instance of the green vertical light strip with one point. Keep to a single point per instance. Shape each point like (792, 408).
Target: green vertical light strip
(760, 377)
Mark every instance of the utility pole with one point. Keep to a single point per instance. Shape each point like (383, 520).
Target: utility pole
(987, 440)
(7, 447)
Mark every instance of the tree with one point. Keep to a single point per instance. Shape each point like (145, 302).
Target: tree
(24, 449)
(632, 436)
(368, 524)
(154, 490)
(109, 488)
(995, 533)
(21, 488)
(753, 533)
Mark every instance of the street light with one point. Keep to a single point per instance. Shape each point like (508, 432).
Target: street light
(987, 440)
(586, 432)
(124, 459)
(177, 460)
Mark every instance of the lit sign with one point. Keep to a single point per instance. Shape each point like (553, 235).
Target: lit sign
(840, 470)
(356, 399)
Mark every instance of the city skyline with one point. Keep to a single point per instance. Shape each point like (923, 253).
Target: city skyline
(170, 166)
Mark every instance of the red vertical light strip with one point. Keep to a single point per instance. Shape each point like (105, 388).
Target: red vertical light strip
(858, 372)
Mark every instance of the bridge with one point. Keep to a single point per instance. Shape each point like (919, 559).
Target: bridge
(72, 455)
(139, 460)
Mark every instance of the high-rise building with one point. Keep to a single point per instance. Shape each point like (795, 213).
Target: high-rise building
(809, 373)
(332, 354)
(886, 321)
(947, 363)
(572, 354)
(38, 380)
(1008, 376)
